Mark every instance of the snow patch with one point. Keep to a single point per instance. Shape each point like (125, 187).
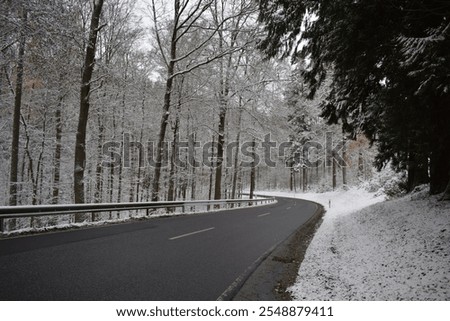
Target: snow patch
(367, 249)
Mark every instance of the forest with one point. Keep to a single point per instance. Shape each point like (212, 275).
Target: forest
(106, 101)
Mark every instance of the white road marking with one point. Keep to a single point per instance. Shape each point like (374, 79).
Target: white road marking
(192, 233)
(261, 215)
(288, 208)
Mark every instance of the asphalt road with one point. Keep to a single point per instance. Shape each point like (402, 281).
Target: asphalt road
(196, 257)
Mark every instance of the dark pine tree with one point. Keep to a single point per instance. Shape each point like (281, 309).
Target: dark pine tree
(389, 65)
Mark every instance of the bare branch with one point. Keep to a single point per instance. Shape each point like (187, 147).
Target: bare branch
(158, 38)
(194, 12)
(10, 85)
(207, 61)
(215, 30)
(101, 27)
(188, 27)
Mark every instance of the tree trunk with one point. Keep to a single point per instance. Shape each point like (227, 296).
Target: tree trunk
(32, 177)
(80, 144)
(236, 155)
(119, 183)
(141, 138)
(220, 151)
(305, 178)
(16, 117)
(334, 170)
(119, 174)
(439, 171)
(360, 165)
(344, 157)
(98, 192)
(211, 174)
(192, 138)
(317, 174)
(162, 134)
(39, 167)
(112, 168)
(122, 133)
(131, 175)
(166, 105)
(175, 151)
(417, 172)
(173, 159)
(446, 196)
(291, 178)
(57, 157)
(253, 170)
(223, 105)
(98, 196)
(440, 142)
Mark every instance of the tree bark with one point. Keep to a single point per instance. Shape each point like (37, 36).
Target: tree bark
(446, 196)
(175, 142)
(439, 166)
(162, 135)
(16, 116)
(220, 150)
(236, 155)
(112, 168)
(211, 173)
(57, 157)
(192, 139)
(39, 168)
(417, 172)
(85, 90)
(223, 106)
(253, 170)
(360, 165)
(440, 146)
(291, 178)
(31, 174)
(172, 173)
(98, 197)
(344, 157)
(305, 178)
(166, 106)
(334, 171)
(122, 133)
(141, 155)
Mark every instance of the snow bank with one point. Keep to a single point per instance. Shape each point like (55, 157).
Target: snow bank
(372, 250)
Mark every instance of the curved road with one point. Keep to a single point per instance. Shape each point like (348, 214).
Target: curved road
(196, 257)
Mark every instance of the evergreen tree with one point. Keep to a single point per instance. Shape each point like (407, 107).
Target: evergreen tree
(389, 65)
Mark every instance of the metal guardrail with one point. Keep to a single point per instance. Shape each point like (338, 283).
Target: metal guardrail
(63, 209)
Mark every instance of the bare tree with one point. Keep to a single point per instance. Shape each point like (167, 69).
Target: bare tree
(85, 91)
(185, 19)
(17, 105)
(228, 40)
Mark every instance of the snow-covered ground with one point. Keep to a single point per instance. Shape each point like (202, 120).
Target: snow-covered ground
(371, 249)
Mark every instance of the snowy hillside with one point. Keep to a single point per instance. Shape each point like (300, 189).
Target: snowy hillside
(391, 250)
